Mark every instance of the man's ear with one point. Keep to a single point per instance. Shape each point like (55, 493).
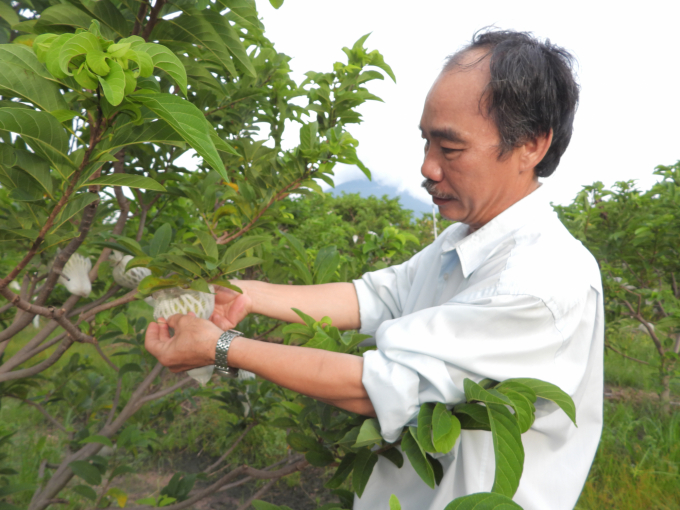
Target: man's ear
(534, 150)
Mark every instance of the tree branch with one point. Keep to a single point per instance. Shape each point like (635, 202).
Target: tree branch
(258, 494)
(153, 19)
(36, 369)
(226, 454)
(167, 391)
(42, 410)
(608, 346)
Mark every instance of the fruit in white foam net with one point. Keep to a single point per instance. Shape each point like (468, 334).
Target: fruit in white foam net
(75, 275)
(173, 301)
(130, 278)
(244, 375)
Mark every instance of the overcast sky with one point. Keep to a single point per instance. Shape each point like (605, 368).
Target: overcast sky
(629, 72)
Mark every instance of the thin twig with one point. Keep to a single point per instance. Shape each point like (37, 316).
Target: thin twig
(116, 399)
(258, 494)
(625, 355)
(219, 461)
(105, 357)
(42, 410)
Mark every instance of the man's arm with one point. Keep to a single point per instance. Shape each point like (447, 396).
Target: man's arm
(331, 377)
(336, 300)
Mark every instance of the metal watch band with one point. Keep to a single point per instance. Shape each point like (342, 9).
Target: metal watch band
(222, 351)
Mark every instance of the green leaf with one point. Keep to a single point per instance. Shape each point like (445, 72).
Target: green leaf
(276, 3)
(86, 471)
(189, 123)
(129, 368)
(474, 391)
(483, 501)
(167, 61)
(184, 263)
(363, 467)
(394, 456)
(369, 433)
(301, 442)
(87, 491)
(23, 56)
(416, 455)
(200, 285)
(325, 264)
(161, 240)
(437, 469)
(508, 449)
(157, 131)
(131, 181)
(36, 167)
(143, 60)
(308, 135)
(394, 503)
(152, 283)
(306, 318)
(96, 60)
(80, 44)
(343, 471)
(18, 81)
(263, 505)
(425, 427)
(8, 14)
(109, 15)
(241, 264)
(194, 28)
(113, 84)
(74, 206)
(445, 428)
(64, 115)
(472, 417)
(208, 243)
(237, 248)
(524, 409)
(231, 40)
(55, 18)
(97, 439)
(42, 132)
(52, 55)
(319, 458)
(551, 392)
(16, 488)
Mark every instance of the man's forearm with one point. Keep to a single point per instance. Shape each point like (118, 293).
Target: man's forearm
(331, 377)
(336, 300)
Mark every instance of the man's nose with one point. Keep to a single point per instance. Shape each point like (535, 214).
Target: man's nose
(431, 168)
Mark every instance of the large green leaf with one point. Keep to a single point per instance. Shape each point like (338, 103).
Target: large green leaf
(549, 392)
(23, 188)
(445, 428)
(157, 132)
(79, 44)
(369, 434)
(64, 18)
(239, 247)
(160, 242)
(363, 467)
(192, 27)
(208, 244)
(416, 455)
(343, 471)
(17, 81)
(425, 427)
(189, 123)
(131, 181)
(508, 449)
(23, 56)
(86, 471)
(241, 264)
(113, 84)
(524, 409)
(474, 391)
(230, 39)
(110, 16)
(8, 14)
(483, 501)
(75, 205)
(166, 60)
(36, 167)
(42, 132)
(472, 417)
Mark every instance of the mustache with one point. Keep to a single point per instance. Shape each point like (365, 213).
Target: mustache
(431, 187)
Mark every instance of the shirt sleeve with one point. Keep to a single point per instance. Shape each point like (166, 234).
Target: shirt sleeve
(425, 356)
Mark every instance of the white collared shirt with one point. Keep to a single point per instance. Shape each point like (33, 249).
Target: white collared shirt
(520, 297)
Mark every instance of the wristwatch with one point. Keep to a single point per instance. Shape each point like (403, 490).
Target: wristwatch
(222, 351)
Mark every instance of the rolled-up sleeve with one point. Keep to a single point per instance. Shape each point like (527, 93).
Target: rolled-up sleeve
(426, 355)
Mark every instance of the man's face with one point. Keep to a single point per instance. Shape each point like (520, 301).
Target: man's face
(464, 175)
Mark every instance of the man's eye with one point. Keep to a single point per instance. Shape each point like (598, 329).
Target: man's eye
(448, 150)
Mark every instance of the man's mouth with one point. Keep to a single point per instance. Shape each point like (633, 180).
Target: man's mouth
(438, 197)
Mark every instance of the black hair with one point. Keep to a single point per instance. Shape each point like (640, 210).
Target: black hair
(532, 90)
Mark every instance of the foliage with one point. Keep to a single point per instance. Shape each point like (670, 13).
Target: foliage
(633, 235)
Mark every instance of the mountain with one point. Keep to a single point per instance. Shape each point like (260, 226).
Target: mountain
(367, 188)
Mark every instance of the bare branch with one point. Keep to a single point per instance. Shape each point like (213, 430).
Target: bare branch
(167, 391)
(36, 369)
(258, 494)
(608, 346)
(42, 410)
(127, 298)
(153, 18)
(226, 454)
(116, 399)
(109, 293)
(139, 19)
(105, 357)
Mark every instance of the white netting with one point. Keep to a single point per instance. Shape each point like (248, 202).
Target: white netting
(128, 279)
(244, 375)
(172, 301)
(75, 275)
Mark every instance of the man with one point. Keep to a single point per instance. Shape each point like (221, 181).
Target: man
(506, 292)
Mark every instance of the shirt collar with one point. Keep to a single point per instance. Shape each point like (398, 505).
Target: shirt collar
(473, 249)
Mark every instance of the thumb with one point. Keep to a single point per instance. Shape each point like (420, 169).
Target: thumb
(152, 339)
(221, 322)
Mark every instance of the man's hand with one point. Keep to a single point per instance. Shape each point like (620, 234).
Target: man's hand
(230, 306)
(192, 346)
